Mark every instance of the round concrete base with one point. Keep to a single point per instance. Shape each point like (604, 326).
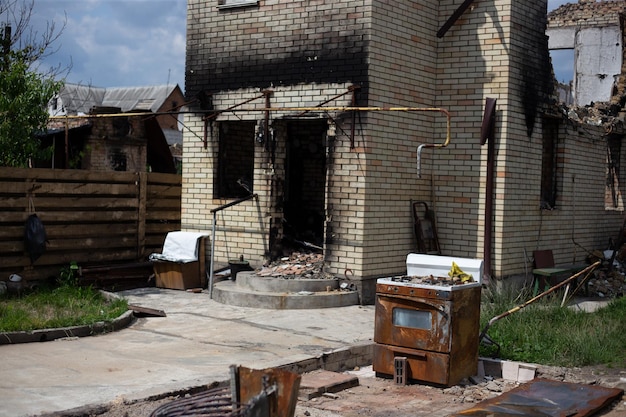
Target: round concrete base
(251, 290)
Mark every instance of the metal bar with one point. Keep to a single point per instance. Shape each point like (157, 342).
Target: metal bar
(266, 127)
(233, 203)
(214, 211)
(452, 19)
(211, 265)
(350, 90)
(352, 128)
(216, 113)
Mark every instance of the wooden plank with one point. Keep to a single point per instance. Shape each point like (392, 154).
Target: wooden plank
(42, 202)
(163, 204)
(66, 175)
(75, 217)
(164, 191)
(101, 243)
(63, 188)
(147, 311)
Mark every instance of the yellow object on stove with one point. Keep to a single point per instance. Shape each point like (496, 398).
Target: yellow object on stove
(456, 272)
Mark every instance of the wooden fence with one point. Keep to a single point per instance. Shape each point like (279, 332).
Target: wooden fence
(92, 218)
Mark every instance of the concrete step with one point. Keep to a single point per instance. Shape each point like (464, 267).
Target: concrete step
(250, 290)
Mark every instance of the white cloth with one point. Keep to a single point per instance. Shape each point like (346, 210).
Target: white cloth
(180, 247)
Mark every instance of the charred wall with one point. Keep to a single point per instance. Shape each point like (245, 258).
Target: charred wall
(277, 43)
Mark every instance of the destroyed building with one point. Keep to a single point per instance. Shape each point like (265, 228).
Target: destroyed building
(107, 138)
(339, 116)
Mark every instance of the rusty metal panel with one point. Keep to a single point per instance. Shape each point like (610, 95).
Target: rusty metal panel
(436, 337)
(252, 381)
(422, 365)
(543, 397)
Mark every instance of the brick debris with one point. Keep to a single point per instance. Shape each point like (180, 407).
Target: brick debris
(298, 265)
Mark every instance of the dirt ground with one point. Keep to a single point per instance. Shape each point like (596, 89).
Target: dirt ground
(381, 397)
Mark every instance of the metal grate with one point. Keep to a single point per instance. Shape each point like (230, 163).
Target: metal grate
(216, 402)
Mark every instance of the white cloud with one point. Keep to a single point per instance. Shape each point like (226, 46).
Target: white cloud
(119, 43)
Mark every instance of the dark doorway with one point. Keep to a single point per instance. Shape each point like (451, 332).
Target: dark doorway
(305, 182)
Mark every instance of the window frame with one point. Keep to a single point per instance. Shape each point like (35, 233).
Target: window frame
(231, 4)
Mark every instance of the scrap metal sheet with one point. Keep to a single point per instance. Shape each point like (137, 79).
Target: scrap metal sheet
(544, 397)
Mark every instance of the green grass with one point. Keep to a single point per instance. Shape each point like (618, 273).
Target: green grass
(57, 307)
(546, 333)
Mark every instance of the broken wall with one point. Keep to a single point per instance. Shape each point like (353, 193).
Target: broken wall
(593, 30)
(116, 144)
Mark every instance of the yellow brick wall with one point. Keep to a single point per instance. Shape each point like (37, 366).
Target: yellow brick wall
(496, 49)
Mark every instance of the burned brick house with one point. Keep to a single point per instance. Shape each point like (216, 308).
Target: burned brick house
(96, 128)
(335, 114)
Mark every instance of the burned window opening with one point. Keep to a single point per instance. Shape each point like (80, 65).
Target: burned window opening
(549, 163)
(118, 160)
(305, 183)
(613, 197)
(235, 166)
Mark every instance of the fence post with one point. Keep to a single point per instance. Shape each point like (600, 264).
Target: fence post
(142, 190)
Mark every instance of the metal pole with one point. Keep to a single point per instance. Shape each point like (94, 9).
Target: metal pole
(212, 255)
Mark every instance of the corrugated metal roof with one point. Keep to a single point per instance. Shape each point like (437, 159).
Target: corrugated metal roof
(80, 99)
(137, 98)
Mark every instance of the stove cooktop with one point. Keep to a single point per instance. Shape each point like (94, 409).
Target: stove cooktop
(428, 282)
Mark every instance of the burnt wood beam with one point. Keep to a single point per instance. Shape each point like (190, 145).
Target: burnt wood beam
(452, 19)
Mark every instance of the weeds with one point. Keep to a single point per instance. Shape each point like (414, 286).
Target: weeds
(63, 306)
(546, 333)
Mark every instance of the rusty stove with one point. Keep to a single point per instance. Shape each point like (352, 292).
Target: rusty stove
(427, 326)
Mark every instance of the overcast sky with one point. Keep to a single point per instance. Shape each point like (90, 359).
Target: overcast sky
(117, 43)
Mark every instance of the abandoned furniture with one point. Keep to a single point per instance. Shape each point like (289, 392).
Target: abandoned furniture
(181, 264)
(428, 331)
(546, 274)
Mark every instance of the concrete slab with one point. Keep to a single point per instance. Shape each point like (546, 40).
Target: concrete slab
(192, 346)
(316, 383)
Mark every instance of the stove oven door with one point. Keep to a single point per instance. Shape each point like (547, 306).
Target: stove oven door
(413, 322)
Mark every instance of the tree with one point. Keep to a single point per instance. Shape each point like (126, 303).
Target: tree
(24, 91)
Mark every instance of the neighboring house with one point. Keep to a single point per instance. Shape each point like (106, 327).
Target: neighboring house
(132, 142)
(346, 180)
(594, 32)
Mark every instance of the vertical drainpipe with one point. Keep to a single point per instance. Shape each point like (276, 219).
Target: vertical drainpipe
(487, 135)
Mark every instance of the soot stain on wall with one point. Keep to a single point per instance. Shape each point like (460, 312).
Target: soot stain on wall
(346, 63)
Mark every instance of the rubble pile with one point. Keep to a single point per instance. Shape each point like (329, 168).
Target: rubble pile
(598, 114)
(606, 281)
(298, 265)
(489, 387)
(606, 284)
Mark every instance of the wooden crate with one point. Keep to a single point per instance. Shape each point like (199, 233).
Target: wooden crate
(182, 276)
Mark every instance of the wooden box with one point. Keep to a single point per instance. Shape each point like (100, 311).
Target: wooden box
(182, 276)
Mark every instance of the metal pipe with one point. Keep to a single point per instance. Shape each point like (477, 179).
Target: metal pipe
(487, 134)
(211, 266)
(213, 228)
(433, 145)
